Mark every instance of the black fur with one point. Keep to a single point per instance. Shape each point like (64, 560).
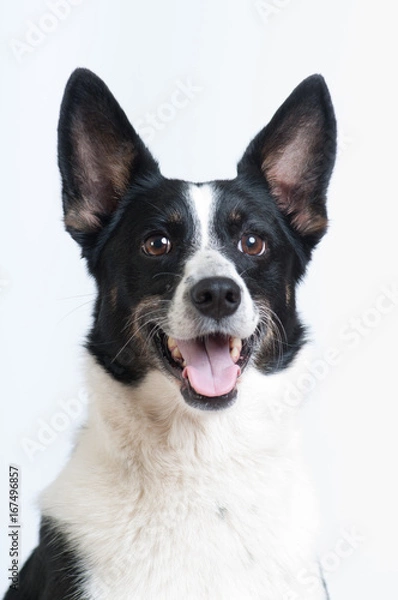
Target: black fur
(52, 572)
(152, 205)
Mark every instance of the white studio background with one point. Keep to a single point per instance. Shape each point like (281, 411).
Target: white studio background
(240, 60)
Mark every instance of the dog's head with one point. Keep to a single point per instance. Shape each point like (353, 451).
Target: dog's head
(195, 280)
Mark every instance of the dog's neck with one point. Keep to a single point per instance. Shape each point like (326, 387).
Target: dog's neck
(150, 425)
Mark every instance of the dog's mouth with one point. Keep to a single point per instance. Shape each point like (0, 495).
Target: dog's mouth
(208, 367)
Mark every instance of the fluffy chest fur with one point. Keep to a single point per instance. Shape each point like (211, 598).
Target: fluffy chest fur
(166, 505)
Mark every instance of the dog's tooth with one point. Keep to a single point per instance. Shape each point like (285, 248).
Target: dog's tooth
(235, 342)
(171, 343)
(235, 347)
(174, 349)
(176, 354)
(235, 354)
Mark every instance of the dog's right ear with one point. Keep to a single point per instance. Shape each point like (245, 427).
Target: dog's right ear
(99, 156)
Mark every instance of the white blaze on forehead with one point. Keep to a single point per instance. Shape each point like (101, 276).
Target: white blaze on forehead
(203, 199)
(184, 321)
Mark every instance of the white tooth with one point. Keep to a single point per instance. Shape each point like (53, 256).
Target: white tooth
(235, 342)
(184, 363)
(172, 344)
(235, 354)
(176, 354)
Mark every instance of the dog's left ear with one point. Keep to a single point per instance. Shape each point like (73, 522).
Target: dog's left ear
(295, 154)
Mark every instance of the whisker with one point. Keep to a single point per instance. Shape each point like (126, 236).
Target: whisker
(167, 273)
(139, 322)
(272, 322)
(136, 318)
(74, 310)
(78, 296)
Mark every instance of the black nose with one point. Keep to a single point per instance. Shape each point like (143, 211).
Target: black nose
(216, 297)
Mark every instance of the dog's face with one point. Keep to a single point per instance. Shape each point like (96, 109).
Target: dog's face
(195, 280)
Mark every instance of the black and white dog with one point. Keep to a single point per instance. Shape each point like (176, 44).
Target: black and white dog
(183, 483)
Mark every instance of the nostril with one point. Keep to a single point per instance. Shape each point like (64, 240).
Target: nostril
(216, 297)
(232, 296)
(204, 297)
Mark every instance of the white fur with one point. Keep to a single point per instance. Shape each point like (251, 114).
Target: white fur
(184, 321)
(203, 201)
(167, 502)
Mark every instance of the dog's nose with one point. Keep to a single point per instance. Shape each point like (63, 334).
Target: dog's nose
(216, 297)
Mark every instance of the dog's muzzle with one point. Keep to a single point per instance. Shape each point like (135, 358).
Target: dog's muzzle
(209, 364)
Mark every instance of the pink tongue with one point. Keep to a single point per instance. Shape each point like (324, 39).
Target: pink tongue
(210, 368)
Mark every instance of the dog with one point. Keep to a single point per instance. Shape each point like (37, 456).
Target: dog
(186, 481)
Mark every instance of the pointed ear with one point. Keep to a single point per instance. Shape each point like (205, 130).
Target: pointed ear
(99, 155)
(295, 154)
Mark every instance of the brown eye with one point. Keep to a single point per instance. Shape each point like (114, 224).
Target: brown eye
(156, 245)
(252, 245)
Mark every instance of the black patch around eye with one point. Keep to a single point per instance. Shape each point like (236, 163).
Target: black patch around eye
(156, 206)
(246, 206)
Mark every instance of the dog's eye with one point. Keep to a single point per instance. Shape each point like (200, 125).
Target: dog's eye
(252, 244)
(156, 245)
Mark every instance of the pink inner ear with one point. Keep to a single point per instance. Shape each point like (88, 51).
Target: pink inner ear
(284, 171)
(291, 174)
(102, 165)
(287, 166)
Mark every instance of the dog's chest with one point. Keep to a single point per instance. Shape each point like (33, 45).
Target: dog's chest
(196, 534)
(179, 545)
(216, 509)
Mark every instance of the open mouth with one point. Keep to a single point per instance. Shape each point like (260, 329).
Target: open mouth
(208, 367)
